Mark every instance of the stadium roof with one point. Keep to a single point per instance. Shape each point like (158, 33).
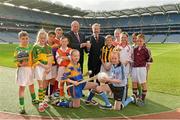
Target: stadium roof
(59, 9)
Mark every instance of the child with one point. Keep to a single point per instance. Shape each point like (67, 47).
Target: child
(134, 45)
(57, 43)
(63, 59)
(117, 37)
(116, 83)
(142, 58)
(42, 60)
(24, 69)
(105, 54)
(73, 75)
(50, 42)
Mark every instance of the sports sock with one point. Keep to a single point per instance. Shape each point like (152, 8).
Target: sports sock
(33, 96)
(105, 98)
(127, 101)
(40, 95)
(47, 89)
(135, 91)
(91, 95)
(55, 86)
(21, 101)
(61, 89)
(51, 89)
(144, 94)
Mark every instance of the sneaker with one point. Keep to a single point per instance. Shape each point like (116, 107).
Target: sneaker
(35, 101)
(46, 99)
(92, 102)
(41, 107)
(122, 106)
(54, 101)
(104, 107)
(63, 104)
(45, 105)
(83, 95)
(140, 102)
(56, 94)
(22, 109)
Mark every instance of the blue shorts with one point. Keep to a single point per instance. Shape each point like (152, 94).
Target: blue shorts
(76, 91)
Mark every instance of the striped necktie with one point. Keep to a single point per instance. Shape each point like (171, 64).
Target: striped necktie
(77, 36)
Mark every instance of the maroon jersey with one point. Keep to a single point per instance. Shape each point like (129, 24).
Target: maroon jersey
(141, 57)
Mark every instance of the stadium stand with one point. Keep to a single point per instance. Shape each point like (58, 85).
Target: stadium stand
(158, 23)
(173, 38)
(158, 38)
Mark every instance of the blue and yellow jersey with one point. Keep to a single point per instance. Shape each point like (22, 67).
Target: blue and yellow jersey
(41, 54)
(23, 54)
(73, 72)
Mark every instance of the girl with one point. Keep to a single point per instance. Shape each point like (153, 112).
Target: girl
(116, 83)
(142, 60)
(63, 59)
(42, 60)
(73, 75)
(105, 54)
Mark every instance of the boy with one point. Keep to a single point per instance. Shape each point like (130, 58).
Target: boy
(50, 42)
(24, 74)
(141, 65)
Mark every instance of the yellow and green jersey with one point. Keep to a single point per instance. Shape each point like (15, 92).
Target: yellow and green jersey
(41, 54)
(23, 54)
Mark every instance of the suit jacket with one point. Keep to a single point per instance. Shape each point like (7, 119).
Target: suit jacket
(94, 60)
(75, 44)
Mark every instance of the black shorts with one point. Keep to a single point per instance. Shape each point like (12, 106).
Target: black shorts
(119, 92)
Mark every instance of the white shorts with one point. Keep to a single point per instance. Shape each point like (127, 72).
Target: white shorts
(61, 70)
(127, 70)
(39, 73)
(54, 71)
(102, 69)
(24, 76)
(139, 74)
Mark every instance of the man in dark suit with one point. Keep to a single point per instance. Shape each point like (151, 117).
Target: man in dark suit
(77, 40)
(97, 42)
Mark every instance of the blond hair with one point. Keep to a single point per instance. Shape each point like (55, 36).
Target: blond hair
(113, 53)
(41, 32)
(141, 36)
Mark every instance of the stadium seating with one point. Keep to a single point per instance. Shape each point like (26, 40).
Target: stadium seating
(158, 38)
(155, 27)
(173, 38)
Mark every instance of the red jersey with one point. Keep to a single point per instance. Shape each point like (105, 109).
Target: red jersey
(141, 57)
(61, 53)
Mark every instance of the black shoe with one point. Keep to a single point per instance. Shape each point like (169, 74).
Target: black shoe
(92, 102)
(83, 95)
(105, 107)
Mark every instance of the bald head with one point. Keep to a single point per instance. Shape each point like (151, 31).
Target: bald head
(75, 26)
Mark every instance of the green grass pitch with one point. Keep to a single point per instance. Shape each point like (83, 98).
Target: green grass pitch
(163, 87)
